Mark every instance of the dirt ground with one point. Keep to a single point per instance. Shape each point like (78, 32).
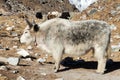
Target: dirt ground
(71, 67)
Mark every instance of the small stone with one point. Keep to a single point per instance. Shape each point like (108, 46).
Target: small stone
(15, 47)
(59, 79)
(14, 34)
(118, 7)
(44, 74)
(113, 27)
(94, 10)
(3, 68)
(9, 28)
(29, 47)
(37, 54)
(20, 78)
(115, 48)
(13, 60)
(28, 59)
(112, 55)
(15, 71)
(41, 60)
(113, 12)
(23, 52)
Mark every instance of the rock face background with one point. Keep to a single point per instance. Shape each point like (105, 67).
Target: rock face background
(36, 5)
(30, 63)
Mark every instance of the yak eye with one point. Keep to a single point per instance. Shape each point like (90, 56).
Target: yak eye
(26, 32)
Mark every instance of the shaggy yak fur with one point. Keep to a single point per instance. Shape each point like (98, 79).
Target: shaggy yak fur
(60, 36)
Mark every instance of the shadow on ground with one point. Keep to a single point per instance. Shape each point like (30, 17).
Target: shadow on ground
(69, 63)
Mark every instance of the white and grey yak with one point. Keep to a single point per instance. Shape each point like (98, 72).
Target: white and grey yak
(60, 36)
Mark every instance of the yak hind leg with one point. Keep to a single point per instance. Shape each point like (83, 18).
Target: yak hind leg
(100, 56)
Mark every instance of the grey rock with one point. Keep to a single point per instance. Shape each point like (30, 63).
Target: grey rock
(1, 47)
(14, 34)
(115, 48)
(13, 60)
(113, 12)
(113, 27)
(94, 10)
(117, 6)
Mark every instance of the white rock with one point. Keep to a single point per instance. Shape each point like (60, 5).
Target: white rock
(23, 52)
(59, 79)
(113, 27)
(10, 28)
(15, 71)
(44, 74)
(41, 60)
(20, 78)
(28, 59)
(15, 47)
(13, 60)
(115, 48)
(29, 47)
(37, 54)
(3, 68)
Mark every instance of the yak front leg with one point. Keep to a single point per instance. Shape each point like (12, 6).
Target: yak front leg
(57, 57)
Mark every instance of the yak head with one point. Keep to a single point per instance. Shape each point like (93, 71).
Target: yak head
(28, 35)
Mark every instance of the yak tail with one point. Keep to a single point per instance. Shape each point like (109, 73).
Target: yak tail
(108, 50)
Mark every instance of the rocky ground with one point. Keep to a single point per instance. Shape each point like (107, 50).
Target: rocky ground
(31, 66)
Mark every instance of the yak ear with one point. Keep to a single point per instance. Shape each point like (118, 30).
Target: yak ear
(36, 28)
(29, 23)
